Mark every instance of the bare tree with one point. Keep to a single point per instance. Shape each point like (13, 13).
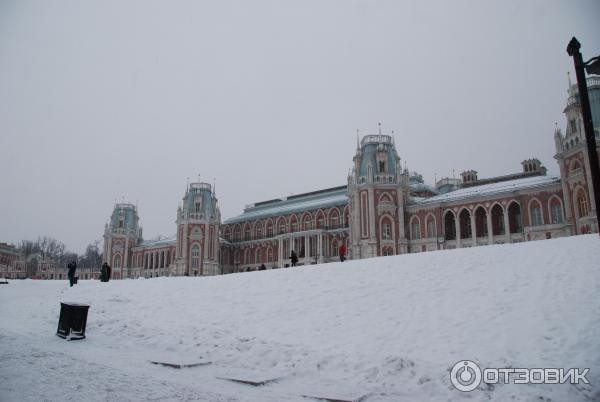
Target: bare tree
(92, 256)
(30, 251)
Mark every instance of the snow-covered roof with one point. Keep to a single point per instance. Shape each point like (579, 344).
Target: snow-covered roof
(158, 243)
(489, 189)
(296, 203)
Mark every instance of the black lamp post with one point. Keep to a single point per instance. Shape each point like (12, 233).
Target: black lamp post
(593, 67)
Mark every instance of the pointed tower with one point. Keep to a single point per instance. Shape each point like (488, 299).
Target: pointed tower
(198, 224)
(377, 192)
(121, 234)
(573, 159)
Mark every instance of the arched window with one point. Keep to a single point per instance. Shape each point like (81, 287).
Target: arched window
(481, 228)
(431, 232)
(237, 233)
(306, 221)
(515, 221)
(386, 231)
(582, 203)
(247, 232)
(449, 226)
(334, 218)
(258, 230)
(258, 256)
(195, 256)
(465, 224)
(269, 228)
(415, 229)
(334, 248)
(535, 210)
(497, 220)
(117, 261)
(293, 223)
(281, 226)
(556, 212)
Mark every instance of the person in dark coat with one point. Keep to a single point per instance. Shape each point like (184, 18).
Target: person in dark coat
(108, 272)
(71, 273)
(342, 252)
(294, 258)
(262, 267)
(103, 272)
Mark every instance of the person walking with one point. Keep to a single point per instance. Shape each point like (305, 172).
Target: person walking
(293, 258)
(342, 252)
(72, 266)
(108, 272)
(103, 272)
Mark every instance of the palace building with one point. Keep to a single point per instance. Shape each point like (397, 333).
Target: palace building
(382, 209)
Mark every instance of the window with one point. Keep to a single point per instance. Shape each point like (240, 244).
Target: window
(415, 229)
(258, 231)
(582, 203)
(573, 125)
(430, 228)
(195, 256)
(386, 232)
(536, 214)
(381, 167)
(556, 215)
(121, 222)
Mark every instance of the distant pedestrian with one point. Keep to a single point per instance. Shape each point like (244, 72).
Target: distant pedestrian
(293, 258)
(72, 266)
(342, 252)
(108, 272)
(104, 272)
(262, 267)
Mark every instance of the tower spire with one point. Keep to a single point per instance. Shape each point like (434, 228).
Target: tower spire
(379, 124)
(569, 78)
(357, 145)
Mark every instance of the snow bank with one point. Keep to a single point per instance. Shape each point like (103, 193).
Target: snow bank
(390, 328)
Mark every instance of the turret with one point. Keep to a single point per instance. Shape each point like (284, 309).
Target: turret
(121, 234)
(378, 188)
(198, 222)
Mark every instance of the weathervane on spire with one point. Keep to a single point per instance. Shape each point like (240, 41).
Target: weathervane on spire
(379, 124)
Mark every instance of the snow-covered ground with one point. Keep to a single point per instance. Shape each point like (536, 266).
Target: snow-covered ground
(389, 328)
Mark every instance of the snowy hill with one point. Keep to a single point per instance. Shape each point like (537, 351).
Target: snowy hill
(389, 328)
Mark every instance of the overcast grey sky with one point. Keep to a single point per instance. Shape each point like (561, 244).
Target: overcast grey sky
(108, 99)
